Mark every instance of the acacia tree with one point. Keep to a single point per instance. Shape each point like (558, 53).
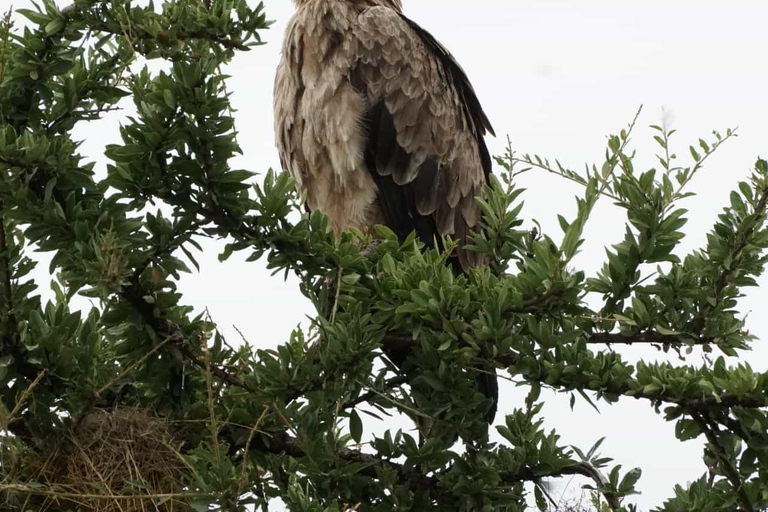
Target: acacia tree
(101, 393)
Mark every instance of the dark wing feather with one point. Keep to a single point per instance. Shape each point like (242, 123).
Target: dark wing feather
(397, 203)
(470, 104)
(425, 144)
(425, 130)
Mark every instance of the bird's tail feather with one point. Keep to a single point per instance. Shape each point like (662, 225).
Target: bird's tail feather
(488, 385)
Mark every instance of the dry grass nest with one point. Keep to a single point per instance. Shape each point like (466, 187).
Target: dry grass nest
(123, 460)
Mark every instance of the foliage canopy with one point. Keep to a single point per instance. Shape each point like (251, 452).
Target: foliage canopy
(251, 425)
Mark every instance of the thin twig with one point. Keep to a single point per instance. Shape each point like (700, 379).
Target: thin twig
(20, 488)
(728, 468)
(24, 397)
(335, 307)
(247, 448)
(211, 407)
(368, 396)
(398, 404)
(644, 338)
(132, 367)
(700, 164)
(6, 422)
(545, 167)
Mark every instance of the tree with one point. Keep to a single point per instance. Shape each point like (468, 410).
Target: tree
(140, 403)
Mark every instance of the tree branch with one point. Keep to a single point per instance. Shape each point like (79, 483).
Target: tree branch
(72, 10)
(370, 395)
(725, 463)
(643, 338)
(372, 466)
(167, 329)
(510, 359)
(584, 469)
(10, 344)
(760, 212)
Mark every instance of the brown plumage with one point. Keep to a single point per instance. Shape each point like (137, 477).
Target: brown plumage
(378, 124)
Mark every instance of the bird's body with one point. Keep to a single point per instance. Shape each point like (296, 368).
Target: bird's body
(378, 124)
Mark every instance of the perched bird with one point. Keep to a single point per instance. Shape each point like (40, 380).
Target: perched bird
(378, 124)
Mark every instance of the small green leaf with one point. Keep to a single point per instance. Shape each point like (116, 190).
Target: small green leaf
(201, 505)
(666, 332)
(541, 501)
(434, 383)
(695, 154)
(226, 253)
(170, 98)
(55, 26)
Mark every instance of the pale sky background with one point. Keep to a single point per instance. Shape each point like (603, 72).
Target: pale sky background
(557, 77)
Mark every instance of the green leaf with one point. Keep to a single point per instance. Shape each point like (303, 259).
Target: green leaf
(687, 429)
(695, 154)
(34, 16)
(55, 26)
(226, 253)
(624, 319)
(627, 485)
(541, 500)
(385, 233)
(170, 98)
(666, 332)
(434, 383)
(127, 153)
(201, 505)
(356, 426)
(236, 176)
(533, 394)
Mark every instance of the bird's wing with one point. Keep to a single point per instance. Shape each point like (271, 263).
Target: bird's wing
(424, 129)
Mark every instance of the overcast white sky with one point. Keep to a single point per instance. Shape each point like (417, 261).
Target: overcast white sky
(557, 76)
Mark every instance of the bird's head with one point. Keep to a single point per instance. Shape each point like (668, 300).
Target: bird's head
(392, 4)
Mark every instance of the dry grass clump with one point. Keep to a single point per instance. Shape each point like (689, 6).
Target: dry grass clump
(115, 461)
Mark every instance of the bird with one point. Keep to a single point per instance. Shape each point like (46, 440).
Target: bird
(378, 124)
